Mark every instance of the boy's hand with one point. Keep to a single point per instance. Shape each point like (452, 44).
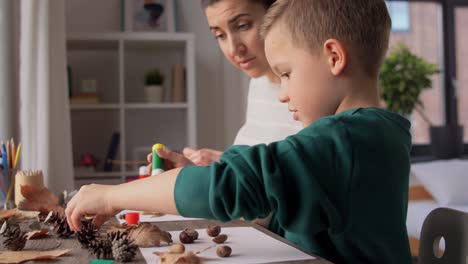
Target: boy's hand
(92, 200)
(172, 160)
(202, 157)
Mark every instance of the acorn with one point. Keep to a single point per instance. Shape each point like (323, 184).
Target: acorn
(223, 251)
(192, 232)
(177, 248)
(185, 238)
(219, 239)
(213, 230)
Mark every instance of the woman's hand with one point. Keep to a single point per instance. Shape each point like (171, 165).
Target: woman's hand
(91, 200)
(171, 159)
(202, 157)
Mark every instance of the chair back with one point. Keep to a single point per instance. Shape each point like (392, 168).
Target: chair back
(452, 226)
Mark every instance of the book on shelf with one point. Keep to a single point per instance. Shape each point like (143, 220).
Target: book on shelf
(112, 151)
(178, 84)
(84, 98)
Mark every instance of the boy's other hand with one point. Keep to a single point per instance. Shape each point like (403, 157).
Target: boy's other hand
(171, 159)
(91, 200)
(202, 157)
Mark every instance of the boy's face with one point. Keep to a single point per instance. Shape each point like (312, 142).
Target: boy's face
(306, 79)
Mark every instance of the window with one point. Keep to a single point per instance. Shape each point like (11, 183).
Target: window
(400, 14)
(425, 40)
(461, 56)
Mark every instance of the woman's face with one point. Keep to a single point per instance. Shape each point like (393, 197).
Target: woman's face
(235, 24)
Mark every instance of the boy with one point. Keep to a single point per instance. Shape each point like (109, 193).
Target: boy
(338, 188)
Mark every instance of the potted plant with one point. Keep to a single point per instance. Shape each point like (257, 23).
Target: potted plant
(154, 91)
(403, 77)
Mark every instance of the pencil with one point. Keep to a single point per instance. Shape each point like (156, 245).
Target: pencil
(13, 152)
(5, 166)
(7, 146)
(18, 153)
(4, 157)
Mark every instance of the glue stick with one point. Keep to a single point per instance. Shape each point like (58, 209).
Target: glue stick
(157, 164)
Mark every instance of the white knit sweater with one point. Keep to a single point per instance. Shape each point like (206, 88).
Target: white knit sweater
(267, 119)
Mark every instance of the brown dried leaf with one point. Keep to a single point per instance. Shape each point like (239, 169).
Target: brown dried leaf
(36, 234)
(148, 235)
(178, 258)
(144, 234)
(5, 214)
(25, 255)
(39, 200)
(27, 214)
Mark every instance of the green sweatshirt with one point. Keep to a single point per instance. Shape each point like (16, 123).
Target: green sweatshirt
(337, 189)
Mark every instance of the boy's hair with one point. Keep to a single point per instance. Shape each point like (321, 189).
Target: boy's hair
(362, 24)
(265, 3)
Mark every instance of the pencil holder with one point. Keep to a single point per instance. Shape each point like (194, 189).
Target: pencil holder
(7, 188)
(32, 178)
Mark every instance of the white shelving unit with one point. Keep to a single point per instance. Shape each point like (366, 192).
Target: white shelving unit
(118, 63)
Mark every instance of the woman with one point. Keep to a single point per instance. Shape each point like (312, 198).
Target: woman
(235, 24)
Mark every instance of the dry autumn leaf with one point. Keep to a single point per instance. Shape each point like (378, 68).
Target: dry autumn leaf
(36, 234)
(148, 235)
(5, 214)
(178, 258)
(144, 234)
(39, 200)
(22, 256)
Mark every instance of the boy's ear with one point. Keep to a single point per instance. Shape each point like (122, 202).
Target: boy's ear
(336, 56)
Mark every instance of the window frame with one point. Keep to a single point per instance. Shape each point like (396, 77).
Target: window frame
(408, 30)
(423, 151)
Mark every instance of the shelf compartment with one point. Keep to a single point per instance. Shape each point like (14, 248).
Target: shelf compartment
(92, 132)
(96, 174)
(141, 56)
(145, 127)
(96, 60)
(94, 106)
(85, 181)
(156, 106)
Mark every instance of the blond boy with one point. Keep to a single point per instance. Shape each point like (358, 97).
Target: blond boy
(338, 188)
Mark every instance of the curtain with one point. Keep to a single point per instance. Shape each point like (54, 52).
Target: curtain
(45, 129)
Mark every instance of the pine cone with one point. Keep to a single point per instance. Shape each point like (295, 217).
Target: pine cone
(123, 248)
(15, 239)
(87, 234)
(101, 248)
(60, 225)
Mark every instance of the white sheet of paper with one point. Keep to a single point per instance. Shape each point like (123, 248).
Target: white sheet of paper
(151, 218)
(248, 246)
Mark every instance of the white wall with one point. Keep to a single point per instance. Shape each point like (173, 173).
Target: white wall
(8, 109)
(221, 89)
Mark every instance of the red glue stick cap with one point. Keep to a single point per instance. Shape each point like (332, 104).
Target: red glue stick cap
(132, 218)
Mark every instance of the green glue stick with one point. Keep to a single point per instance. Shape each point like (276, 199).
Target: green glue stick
(157, 164)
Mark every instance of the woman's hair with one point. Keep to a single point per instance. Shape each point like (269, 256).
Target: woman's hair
(265, 3)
